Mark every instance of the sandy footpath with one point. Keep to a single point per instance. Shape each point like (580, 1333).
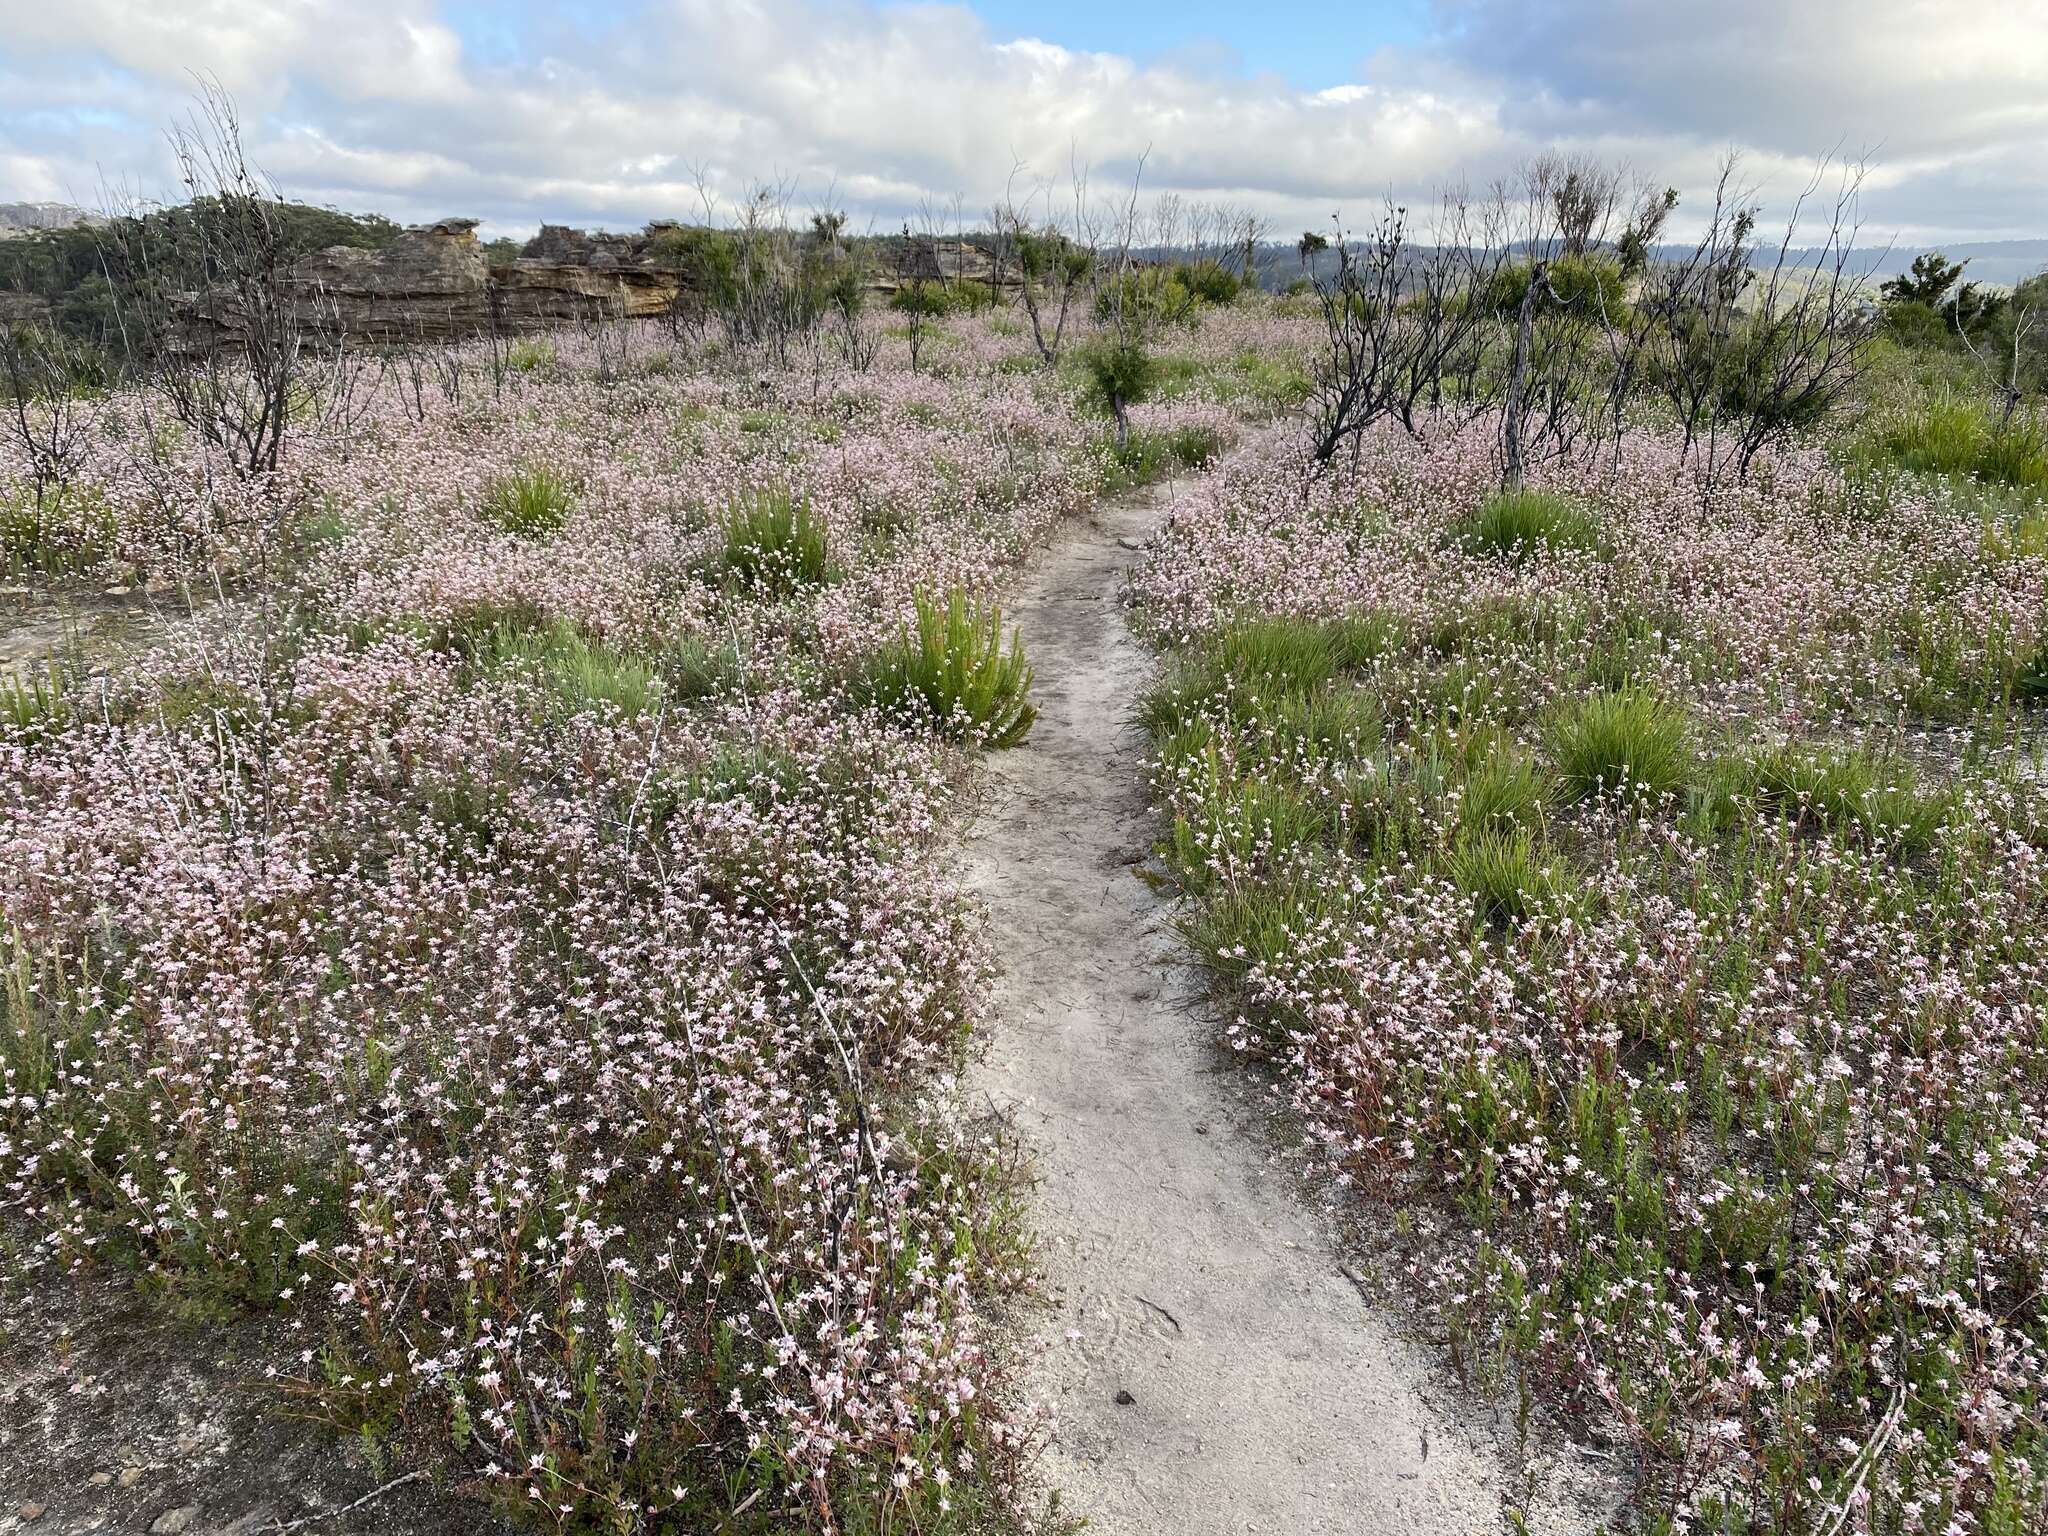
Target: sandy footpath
(1211, 1367)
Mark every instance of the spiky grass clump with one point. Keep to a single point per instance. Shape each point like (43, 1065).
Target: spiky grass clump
(775, 545)
(1955, 434)
(1850, 789)
(1278, 674)
(581, 674)
(535, 355)
(1506, 872)
(65, 531)
(953, 667)
(1625, 741)
(31, 702)
(1503, 790)
(1517, 524)
(1146, 456)
(529, 504)
(1281, 654)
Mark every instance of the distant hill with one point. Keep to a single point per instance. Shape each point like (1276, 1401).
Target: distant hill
(2000, 263)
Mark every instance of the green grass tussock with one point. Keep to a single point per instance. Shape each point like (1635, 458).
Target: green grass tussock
(1517, 524)
(952, 665)
(775, 544)
(530, 504)
(1626, 741)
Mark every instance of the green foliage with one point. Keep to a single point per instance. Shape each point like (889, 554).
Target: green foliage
(1506, 871)
(1115, 374)
(530, 503)
(502, 251)
(1280, 654)
(1270, 384)
(1850, 789)
(1144, 457)
(1929, 282)
(775, 544)
(1209, 282)
(582, 674)
(1251, 923)
(922, 299)
(533, 355)
(1957, 434)
(1504, 790)
(67, 530)
(952, 668)
(1590, 282)
(30, 703)
(1626, 741)
(1049, 257)
(1518, 523)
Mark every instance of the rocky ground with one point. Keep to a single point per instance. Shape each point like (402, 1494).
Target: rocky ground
(111, 1420)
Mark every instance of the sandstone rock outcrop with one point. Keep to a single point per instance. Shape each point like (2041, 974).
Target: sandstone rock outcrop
(434, 283)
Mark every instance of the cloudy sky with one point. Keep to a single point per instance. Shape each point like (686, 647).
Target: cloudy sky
(607, 114)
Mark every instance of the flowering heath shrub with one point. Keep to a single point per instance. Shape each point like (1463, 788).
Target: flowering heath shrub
(1650, 919)
(504, 938)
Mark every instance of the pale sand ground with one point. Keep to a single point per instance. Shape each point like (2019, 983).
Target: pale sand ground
(1265, 1393)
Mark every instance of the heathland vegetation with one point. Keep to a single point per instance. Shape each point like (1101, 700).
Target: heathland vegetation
(504, 930)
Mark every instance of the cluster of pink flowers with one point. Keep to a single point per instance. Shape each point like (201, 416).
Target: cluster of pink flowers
(1731, 1139)
(573, 1070)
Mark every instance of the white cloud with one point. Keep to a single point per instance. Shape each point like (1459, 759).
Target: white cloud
(374, 103)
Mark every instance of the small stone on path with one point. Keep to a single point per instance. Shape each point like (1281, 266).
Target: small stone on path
(1124, 1398)
(172, 1521)
(30, 1512)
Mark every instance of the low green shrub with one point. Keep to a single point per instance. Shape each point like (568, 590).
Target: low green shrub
(1842, 789)
(1292, 655)
(952, 665)
(531, 356)
(1145, 457)
(1254, 923)
(30, 703)
(1506, 872)
(1505, 789)
(69, 531)
(1114, 372)
(580, 673)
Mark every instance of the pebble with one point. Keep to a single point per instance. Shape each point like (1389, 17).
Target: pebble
(172, 1521)
(130, 1476)
(100, 1479)
(29, 1512)
(1124, 1398)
